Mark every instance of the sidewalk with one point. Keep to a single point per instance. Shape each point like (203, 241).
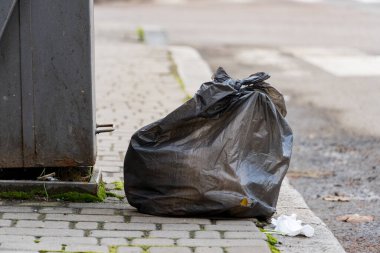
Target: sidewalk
(135, 86)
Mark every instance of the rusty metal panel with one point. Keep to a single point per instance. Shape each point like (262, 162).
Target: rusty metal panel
(10, 92)
(56, 80)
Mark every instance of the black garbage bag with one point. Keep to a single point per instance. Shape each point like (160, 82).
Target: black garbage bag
(223, 153)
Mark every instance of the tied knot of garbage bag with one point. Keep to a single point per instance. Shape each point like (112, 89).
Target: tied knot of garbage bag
(254, 79)
(253, 82)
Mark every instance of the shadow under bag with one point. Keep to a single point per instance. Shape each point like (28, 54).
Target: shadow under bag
(223, 153)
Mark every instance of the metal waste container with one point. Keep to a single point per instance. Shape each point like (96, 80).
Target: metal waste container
(47, 105)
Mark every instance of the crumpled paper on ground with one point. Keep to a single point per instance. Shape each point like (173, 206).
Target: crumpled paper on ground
(289, 225)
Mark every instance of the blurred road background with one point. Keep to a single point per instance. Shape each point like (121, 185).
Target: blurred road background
(324, 56)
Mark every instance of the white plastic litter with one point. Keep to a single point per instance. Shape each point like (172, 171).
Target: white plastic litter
(289, 225)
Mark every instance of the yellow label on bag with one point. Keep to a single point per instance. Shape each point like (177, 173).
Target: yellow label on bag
(246, 202)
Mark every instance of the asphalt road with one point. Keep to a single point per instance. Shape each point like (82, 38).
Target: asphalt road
(325, 57)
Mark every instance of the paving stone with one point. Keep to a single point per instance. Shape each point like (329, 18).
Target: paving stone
(12, 246)
(110, 163)
(16, 209)
(208, 250)
(21, 216)
(56, 210)
(153, 219)
(87, 248)
(97, 211)
(110, 179)
(86, 225)
(110, 158)
(108, 152)
(69, 240)
(17, 238)
(169, 250)
(129, 250)
(186, 227)
(244, 235)
(169, 234)
(256, 249)
(42, 224)
(221, 242)
(113, 241)
(5, 223)
(41, 231)
(22, 251)
(153, 242)
(110, 169)
(100, 205)
(78, 217)
(231, 228)
(119, 233)
(235, 222)
(133, 212)
(130, 226)
(39, 204)
(207, 234)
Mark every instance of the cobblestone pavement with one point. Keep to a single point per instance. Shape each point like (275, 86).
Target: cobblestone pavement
(135, 86)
